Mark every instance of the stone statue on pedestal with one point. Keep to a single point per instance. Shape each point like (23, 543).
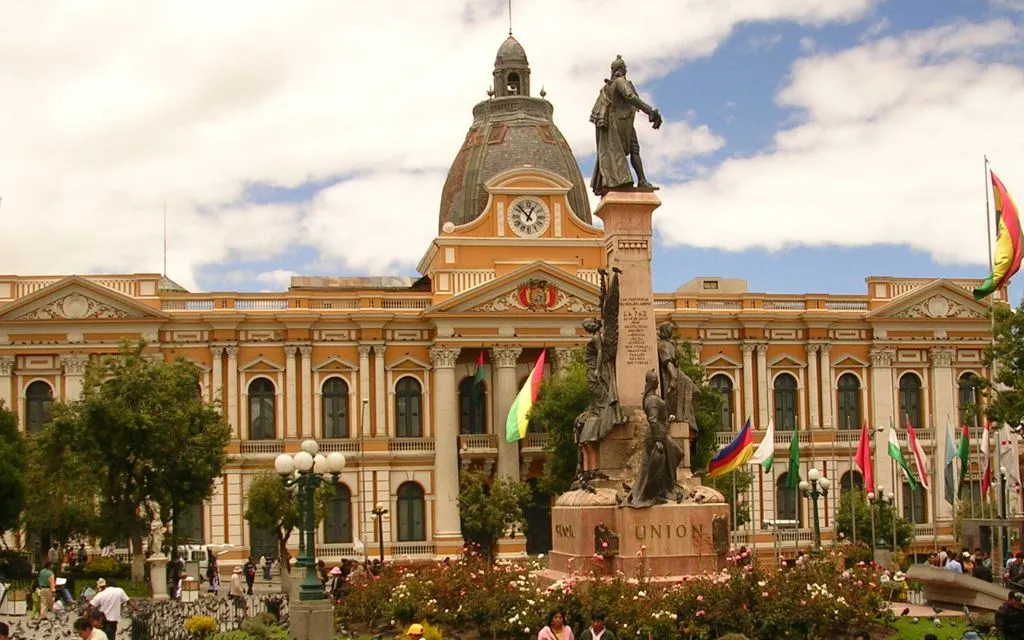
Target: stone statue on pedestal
(156, 536)
(612, 116)
(676, 387)
(655, 482)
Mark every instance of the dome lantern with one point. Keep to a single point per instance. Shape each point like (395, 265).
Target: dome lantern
(511, 70)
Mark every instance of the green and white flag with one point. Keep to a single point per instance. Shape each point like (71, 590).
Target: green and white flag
(897, 455)
(764, 455)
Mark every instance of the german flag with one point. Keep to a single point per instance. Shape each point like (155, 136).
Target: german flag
(1009, 243)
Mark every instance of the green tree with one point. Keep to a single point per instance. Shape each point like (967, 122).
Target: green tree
(707, 406)
(883, 518)
(147, 436)
(562, 398)
(1007, 354)
(491, 508)
(272, 505)
(734, 487)
(12, 469)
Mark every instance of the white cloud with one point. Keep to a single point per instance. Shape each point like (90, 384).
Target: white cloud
(889, 150)
(110, 111)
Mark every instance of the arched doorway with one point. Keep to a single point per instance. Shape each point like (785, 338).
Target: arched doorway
(538, 521)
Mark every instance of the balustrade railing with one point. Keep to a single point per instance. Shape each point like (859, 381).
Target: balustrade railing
(410, 445)
(262, 447)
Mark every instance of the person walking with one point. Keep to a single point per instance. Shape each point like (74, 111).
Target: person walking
(109, 600)
(597, 630)
(250, 574)
(556, 628)
(46, 584)
(236, 593)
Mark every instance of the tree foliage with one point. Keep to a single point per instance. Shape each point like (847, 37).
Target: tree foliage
(734, 486)
(562, 398)
(12, 470)
(1007, 354)
(853, 506)
(272, 505)
(143, 431)
(491, 508)
(707, 405)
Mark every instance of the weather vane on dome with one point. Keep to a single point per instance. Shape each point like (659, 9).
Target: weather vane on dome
(612, 115)
(509, 17)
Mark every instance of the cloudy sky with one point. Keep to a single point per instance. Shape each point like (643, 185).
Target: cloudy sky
(808, 143)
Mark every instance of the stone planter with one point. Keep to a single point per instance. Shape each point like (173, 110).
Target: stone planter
(15, 603)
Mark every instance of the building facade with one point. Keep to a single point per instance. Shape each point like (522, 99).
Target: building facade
(381, 368)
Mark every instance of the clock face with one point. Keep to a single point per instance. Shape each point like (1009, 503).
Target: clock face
(528, 217)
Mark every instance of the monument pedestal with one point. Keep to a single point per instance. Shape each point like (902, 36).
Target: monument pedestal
(158, 575)
(311, 620)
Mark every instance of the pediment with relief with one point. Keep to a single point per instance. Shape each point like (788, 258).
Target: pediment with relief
(938, 306)
(535, 288)
(939, 300)
(76, 299)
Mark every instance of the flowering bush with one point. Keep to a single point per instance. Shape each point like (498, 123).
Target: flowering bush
(511, 600)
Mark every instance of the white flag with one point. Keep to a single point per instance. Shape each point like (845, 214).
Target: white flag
(1008, 459)
(764, 455)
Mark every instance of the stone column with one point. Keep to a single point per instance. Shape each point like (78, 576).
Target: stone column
(748, 381)
(627, 236)
(381, 408)
(812, 386)
(447, 527)
(827, 394)
(232, 399)
(74, 373)
(882, 401)
(762, 386)
(306, 431)
(505, 360)
(291, 418)
(563, 358)
(6, 369)
(943, 404)
(217, 376)
(364, 387)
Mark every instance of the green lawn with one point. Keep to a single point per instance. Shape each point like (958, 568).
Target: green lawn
(905, 629)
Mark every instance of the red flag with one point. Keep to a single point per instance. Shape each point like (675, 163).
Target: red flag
(986, 460)
(920, 458)
(863, 458)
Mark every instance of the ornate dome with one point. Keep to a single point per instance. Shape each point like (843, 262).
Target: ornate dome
(509, 130)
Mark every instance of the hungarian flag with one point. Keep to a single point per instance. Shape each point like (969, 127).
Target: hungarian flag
(764, 455)
(1009, 244)
(920, 459)
(897, 455)
(793, 473)
(863, 458)
(478, 378)
(950, 480)
(986, 460)
(518, 421)
(963, 452)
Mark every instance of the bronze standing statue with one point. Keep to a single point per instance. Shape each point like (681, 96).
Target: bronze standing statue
(676, 387)
(612, 115)
(655, 482)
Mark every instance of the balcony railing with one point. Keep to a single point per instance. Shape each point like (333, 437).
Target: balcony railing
(486, 442)
(535, 441)
(335, 550)
(262, 447)
(402, 549)
(410, 445)
(344, 445)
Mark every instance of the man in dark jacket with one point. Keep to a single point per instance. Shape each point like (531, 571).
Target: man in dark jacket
(597, 630)
(1010, 617)
(982, 571)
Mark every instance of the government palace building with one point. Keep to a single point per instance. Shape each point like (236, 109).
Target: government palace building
(380, 368)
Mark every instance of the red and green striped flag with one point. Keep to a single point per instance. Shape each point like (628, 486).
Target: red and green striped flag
(517, 422)
(1009, 248)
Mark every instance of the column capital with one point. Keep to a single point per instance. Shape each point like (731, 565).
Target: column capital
(217, 350)
(762, 348)
(364, 351)
(812, 348)
(444, 357)
(232, 351)
(290, 350)
(6, 365)
(306, 350)
(883, 356)
(379, 349)
(563, 358)
(825, 347)
(74, 365)
(942, 356)
(505, 357)
(747, 347)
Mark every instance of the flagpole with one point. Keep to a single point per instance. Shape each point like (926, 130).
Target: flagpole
(775, 509)
(853, 497)
(935, 485)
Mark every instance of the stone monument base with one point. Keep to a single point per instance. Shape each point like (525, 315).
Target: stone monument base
(158, 575)
(668, 540)
(311, 620)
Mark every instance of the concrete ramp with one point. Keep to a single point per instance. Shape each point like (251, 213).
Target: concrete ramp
(949, 588)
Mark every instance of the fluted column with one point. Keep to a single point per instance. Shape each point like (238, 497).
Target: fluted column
(762, 386)
(812, 385)
(943, 404)
(6, 369)
(217, 376)
(233, 390)
(306, 352)
(827, 394)
(291, 386)
(446, 446)
(381, 408)
(364, 387)
(882, 402)
(505, 360)
(748, 381)
(74, 373)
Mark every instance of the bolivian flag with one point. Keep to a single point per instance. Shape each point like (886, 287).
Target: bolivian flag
(517, 422)
(1009, 243)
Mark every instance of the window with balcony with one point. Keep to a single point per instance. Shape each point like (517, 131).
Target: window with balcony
(472, 407)
(849, 401)
(915, 503)
(408, 408)
(786, 499)
(338, 516)
(411, 517)
(334, 405)
(910, 400)
(970, 400)
(723, 385)
(262, 410)
(785, 402)
(38, 399)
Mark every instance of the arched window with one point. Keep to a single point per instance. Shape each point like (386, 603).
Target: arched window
(38, 398)
(262, 542)
(785, 402)
(849, 401)
(851, 481)
(513, 84)
(262, 410)
(334, 404)
(915, 504)
(785, 499)
(338, 516)
(412, 523)
(910, 400)
(188, 524)
(723, 385)
(408, 405)
(969, 396)
(472, 407)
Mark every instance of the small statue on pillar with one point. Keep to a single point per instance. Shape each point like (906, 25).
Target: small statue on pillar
(655, 482)
(156, 537)
(604, 412)
(677, 388)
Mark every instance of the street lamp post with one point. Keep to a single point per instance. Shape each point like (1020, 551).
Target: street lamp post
(1003, 538)
(378, 513)
(816, 486)
(306, 471)
(871, 509)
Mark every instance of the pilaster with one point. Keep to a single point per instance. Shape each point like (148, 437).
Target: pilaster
(381, 407)
(748, 381)
(563, 358)
(306, 368)
(217, 376)
(882, 403)
(943, 408)
(233, 390)
(505, 360)
(74, 374)
(291, 419)
(827, 393)
(812, 386)
(364, 389)
(447, 525)
(762, 386)
(6, 369)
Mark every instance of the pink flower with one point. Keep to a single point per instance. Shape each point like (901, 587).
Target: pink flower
(764, 594)
(803, 603)
(700, 598)
(604, 545)
(700, 613)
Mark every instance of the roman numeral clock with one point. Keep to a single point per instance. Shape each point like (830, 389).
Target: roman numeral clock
(528, 217)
